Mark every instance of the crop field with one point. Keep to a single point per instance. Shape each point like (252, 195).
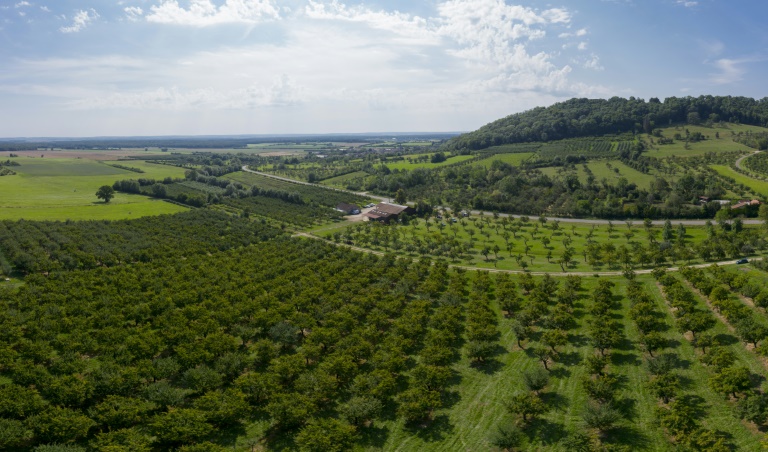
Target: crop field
(312, 194)
(61, 189)
(756, 185)
(406, 165)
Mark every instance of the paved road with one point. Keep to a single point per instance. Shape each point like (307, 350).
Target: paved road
(477, 212)
(496, 270)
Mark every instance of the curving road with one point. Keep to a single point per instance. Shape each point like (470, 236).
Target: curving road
(477, 212)
(741, 159)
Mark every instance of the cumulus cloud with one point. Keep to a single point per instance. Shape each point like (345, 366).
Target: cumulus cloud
(82, 19)
(133, 13)
(22, 4)
(203, 13)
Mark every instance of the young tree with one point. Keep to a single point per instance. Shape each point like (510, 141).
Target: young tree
(527, 405)
(536, 379)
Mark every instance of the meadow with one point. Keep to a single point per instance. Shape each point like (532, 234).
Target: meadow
(712, 144)
(410, 165)
(62, 189)
(611, 170)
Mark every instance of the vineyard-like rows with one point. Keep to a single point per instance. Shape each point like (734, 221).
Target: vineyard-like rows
(587, 148)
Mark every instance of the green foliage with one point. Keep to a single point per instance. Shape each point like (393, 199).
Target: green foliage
(507, 437)
(56, 424)
(13, 433)
(601, 417)
(326, 435)
(178, 426)
(527, 405)
(106, 193)
(360, 409)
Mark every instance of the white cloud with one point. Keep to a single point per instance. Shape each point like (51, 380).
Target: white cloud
(22, 4)
(730, 71)
(133, 13)
(578, 33)
(81, 20)
(45, 9)
(687, 3)
(400, 24)
(593, 62)
(203, 13)
(281, 92)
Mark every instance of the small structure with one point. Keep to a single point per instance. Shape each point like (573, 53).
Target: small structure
(741, 204)
(348, 209)
(385, 212)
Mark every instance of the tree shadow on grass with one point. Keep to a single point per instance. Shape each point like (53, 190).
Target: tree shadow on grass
(450, 398)
(578, 340)
(726, 339)
(620, 359)
(559, 372)
(569, 358)
(627, 436)
(435, 430)
(373, 436)
(545, 431)
(228, 436)
(488, 367)
(554, 400)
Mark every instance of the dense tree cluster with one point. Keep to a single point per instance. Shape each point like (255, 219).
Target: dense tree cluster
(595, 117)
(47, 246)
(311, 336)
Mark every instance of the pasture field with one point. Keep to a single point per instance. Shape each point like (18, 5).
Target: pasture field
(514, 159)
(406, 165)
(758, 186)
(61, 189)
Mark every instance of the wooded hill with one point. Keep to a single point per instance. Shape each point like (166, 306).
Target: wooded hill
(592, 117)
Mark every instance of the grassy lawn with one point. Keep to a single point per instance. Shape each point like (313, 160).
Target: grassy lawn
(758, 186)
(64, 189)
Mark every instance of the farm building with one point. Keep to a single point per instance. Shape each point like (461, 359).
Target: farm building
(385, 212)
(349, 209)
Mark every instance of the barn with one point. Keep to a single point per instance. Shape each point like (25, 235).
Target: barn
(386, 212)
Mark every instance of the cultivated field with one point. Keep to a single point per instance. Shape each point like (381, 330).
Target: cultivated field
(61, 189)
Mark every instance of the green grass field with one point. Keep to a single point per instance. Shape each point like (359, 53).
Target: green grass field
(758, 186)
(61, 189)
(340, 181)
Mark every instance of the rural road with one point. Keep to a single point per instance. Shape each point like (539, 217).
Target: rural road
(740, 159)
(477, 212)
(496, 270)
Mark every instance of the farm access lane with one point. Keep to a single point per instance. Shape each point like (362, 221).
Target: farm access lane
(496, 270)
(294, 181)
(741, 159)
(478, 212)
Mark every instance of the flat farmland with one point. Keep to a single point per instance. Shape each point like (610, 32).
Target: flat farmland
(61, 189)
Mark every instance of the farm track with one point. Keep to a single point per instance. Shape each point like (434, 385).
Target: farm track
(509, 215)
(496, 270)
(741, 159)
(324, 187)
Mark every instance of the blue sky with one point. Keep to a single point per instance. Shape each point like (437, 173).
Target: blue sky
(168, 67)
